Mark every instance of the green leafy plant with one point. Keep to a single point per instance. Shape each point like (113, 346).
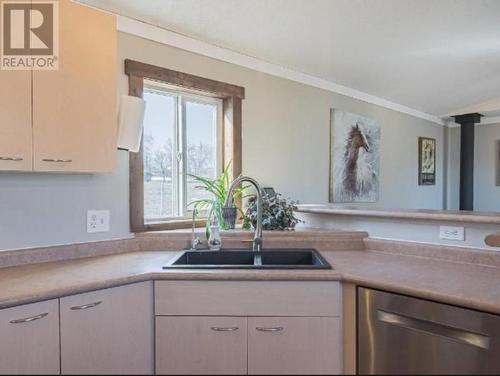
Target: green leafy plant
(219, 189)
(277, 213)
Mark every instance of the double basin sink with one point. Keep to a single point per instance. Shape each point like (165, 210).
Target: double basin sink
(246, 259)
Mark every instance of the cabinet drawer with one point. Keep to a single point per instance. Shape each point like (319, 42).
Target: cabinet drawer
(294, 345)
(29, 339)
(249, 298)
(201, 345)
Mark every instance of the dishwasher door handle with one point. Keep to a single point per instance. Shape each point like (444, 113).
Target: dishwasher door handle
(429, 327)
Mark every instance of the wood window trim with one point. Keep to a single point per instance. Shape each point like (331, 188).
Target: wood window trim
(231, 96)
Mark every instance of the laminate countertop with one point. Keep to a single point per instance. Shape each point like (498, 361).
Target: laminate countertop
(468, 285)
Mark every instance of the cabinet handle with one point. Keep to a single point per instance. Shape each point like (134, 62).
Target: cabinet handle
(29, 319)
(276, 329)
(229, 329)
(12, 159)
(86, 306)
(429, 327)
(57, 160)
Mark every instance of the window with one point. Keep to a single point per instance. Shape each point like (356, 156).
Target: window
(182, 137)
(183, 133)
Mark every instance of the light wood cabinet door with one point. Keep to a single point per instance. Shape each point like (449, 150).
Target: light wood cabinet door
(108, 331)
(294, 345)
(29, 339)
(74, 108)
(201, 345)
(15, 121)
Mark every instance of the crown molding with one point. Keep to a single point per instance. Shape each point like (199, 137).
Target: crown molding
(164, 36)
(491, 120)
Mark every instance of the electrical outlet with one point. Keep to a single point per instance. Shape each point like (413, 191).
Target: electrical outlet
(452, 233)
(97, 220)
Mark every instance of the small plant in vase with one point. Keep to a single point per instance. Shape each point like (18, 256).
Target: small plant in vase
(277, 213)
(214, 207)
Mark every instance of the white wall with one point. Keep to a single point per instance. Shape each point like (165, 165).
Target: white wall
(46, 209)
(285, 145)
(403, 229)
(286, 130)
(452, 168)
(486, 192)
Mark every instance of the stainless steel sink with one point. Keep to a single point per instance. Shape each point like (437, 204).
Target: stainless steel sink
(245, 259)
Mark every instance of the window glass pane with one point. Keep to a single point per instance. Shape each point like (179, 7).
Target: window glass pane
(159, 131)
(201, 146)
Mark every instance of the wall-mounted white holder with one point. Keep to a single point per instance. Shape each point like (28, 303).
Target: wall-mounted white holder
(130, 120)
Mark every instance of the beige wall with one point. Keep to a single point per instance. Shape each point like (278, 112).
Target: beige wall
(404, 229)
(285, 144)
(486, 192)
(452, 169)
(286, 130)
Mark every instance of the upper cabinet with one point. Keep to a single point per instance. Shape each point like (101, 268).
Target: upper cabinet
(15, 121)
(65, 120)
(74, 108)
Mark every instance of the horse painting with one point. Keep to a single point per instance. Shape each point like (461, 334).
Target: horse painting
(355, 159)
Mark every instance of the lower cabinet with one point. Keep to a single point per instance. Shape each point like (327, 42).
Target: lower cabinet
(201, 345)
(108, 331)
(233, 327)
(245, 328)
(29, 339)
(294, 345)
(253, 345)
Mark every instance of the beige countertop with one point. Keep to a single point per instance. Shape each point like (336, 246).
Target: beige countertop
(468, 285)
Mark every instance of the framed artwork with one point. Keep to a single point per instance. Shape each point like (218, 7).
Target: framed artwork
(426, 161)
(497, 162)
(354, 158)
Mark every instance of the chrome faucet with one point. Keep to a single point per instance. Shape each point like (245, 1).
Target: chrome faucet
(257, 240)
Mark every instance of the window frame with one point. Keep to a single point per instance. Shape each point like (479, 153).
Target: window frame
(231, 96)
(182, 97)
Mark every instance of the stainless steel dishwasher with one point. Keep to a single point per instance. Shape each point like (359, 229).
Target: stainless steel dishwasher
(403, 335)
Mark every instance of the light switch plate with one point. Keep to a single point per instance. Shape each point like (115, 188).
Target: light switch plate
(97, 220)
(452, 233)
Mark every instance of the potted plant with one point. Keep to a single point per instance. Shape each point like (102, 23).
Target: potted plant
(277, 213)
(214, 207)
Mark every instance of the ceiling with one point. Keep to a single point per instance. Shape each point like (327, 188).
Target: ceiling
(438, 57)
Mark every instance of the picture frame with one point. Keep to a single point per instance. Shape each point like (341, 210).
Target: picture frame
(354, 147)
(426, 161)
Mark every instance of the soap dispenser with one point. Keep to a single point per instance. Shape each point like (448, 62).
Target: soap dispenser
(214, 241)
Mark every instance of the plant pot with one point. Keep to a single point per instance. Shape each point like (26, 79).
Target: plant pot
(229, 214)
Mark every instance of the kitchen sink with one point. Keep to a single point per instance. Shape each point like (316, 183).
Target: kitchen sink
(245, 259)
(214, 258)
(293, 258)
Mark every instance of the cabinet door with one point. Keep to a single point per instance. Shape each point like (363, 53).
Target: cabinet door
(29, 339)
(15, 121)
(74, 107)
(108, 331)
(294, 345)
(201, 345)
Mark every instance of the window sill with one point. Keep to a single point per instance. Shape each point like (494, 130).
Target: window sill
(170, 225)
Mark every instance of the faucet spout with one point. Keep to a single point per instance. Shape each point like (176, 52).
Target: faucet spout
(257, 240)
